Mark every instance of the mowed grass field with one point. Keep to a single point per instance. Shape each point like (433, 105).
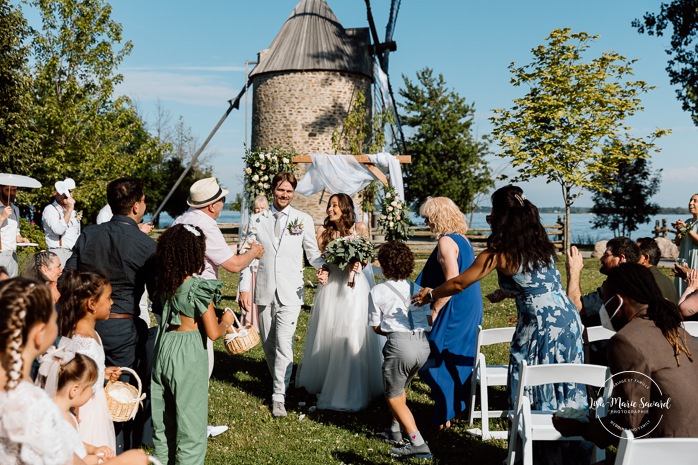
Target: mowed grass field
(240, 392)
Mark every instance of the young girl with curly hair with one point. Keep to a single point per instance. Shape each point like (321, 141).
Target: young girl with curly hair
(86, 299)
(179, 389)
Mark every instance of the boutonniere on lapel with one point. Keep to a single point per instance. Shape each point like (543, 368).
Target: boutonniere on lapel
(295, 227)
(263, 214)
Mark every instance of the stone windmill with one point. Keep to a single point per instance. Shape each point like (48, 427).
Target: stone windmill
(304, 84)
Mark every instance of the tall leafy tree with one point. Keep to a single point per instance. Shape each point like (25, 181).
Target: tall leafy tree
(681, 18)
(560, 128)
(625, 203)
(14, 87)
(447, 158)
(82, 130)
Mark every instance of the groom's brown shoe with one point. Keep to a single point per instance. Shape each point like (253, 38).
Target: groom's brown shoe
(278, 409)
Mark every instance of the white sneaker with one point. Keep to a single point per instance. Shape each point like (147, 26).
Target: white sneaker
(213, 431)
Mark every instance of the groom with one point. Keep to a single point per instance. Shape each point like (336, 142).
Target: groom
(285, 233)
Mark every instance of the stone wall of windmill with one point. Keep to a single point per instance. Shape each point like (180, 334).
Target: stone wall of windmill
(299, 111)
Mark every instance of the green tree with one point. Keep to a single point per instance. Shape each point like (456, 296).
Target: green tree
(14, 87)
(447, 159)
(81, 129)
(179, 147)
(158, 185)
(681, 16)
(558, 130)
(625, 203)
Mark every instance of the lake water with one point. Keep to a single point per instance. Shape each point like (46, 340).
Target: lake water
(582, 231)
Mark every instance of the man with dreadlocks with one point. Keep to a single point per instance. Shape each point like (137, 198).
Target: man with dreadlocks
(652, 361)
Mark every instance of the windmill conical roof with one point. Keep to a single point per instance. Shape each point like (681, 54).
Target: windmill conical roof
(313, 39)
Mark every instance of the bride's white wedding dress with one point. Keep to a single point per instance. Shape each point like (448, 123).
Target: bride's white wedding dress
(342, 358)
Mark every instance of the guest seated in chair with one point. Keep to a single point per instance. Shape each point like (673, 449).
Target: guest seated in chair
(650, 254)
(651, 359)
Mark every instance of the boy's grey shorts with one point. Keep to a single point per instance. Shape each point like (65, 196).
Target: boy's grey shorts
(403, 356)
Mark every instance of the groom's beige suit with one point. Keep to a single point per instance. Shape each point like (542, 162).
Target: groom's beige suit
(278, 292)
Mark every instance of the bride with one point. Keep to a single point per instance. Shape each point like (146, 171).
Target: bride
(342, 359)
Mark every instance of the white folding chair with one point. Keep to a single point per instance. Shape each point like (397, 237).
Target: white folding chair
(598, 333)
(488, 375)
(535, 425)
(691, 327)
(651, 451)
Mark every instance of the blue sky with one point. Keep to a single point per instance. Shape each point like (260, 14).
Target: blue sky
(190, 57)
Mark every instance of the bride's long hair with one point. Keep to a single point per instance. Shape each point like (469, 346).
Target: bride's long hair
(344, 223)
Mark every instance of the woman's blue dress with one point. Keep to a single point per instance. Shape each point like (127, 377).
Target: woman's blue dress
(453, 337)
(549, 330)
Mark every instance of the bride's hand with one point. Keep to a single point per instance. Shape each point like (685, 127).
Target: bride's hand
(323, 275)
(357, 267)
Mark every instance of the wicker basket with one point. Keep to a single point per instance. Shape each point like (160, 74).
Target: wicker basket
(124, 411)
(242, 338)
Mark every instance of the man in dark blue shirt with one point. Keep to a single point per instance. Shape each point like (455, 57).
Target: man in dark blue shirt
(122, 253)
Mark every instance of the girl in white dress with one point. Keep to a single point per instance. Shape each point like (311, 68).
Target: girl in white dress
(31, 425)
(86, 298)
(342, 355)
(69, 377)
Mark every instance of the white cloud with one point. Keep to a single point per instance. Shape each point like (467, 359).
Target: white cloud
(215, 69)
(190, 89)
(679, 175)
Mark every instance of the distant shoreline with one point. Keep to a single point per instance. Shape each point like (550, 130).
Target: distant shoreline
(561, 210)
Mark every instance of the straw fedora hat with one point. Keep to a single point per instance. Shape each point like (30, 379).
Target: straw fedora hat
(205, 192)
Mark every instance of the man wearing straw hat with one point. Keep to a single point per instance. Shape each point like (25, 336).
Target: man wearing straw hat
(206, 200)
(9, 230)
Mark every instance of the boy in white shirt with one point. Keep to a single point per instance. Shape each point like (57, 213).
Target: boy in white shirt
(407, 348)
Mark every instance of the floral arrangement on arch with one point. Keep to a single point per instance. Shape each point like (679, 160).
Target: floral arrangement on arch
(260, 169)
(393, 221)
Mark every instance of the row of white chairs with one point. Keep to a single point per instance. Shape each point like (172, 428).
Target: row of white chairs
(529, 425)
(485, 375)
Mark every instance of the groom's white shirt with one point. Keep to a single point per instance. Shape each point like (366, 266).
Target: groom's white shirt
(280, 269)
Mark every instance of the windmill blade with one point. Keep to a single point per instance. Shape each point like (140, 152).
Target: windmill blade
(381, 51)
(389, 31)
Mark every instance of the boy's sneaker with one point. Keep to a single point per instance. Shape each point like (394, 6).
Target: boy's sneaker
(411, 451)
(391, 437)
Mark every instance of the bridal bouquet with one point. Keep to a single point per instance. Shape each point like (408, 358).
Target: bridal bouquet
(345, 250)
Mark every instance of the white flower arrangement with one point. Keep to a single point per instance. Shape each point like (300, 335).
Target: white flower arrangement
(261, 168)
(393, 221)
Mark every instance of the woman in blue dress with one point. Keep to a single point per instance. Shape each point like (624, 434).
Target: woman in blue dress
(549, 329)
(453, 337)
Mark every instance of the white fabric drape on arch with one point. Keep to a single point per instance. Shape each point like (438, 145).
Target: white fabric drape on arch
(343, 174)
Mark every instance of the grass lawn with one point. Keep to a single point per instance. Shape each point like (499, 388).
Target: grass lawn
(240, 392)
